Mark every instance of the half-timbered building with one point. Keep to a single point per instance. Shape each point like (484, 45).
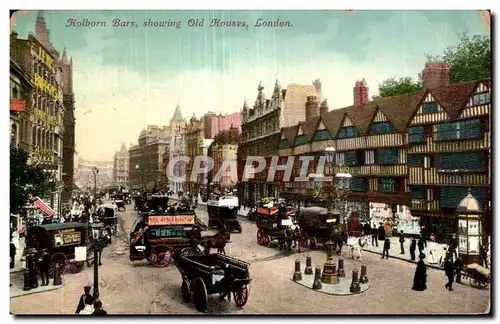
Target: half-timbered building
(423, 150)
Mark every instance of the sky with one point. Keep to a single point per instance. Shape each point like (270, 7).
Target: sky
(125, 78)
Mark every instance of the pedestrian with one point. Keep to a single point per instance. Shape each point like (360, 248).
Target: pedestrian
(98, 311)
(374, 235)
(401, 242)
(422, 244)
(459, 266)
(89, 306)
(387, 246)
(413, 247)
(448, 270)
(366, 229)
(12, 255)
(420, 277)
(381, 232)
(44, 266)
(81, 302)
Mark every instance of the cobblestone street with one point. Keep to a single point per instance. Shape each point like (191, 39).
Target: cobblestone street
(137, 288)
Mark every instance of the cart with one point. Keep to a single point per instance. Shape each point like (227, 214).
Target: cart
(60, 239)
(223, 212)
(315, 229)
(204, 275)
(120, 202)
(272, 228)
(479, 276)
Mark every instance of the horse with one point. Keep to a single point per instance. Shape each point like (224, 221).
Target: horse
(356, 244)
(217, 241)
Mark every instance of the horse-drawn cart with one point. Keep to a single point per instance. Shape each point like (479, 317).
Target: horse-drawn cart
(107, 215)
(276, 228)
(223, 211)
(479, 276)
(204, 275)
(316, 229)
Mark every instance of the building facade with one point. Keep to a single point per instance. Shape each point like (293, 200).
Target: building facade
(121, 167)
(177, 148)
(21, 111)
(261, 129)
(213, 124)
(223, 151)
(84, 175)
(135, 174)
(414, 156)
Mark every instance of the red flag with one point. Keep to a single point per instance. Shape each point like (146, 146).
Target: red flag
(40, 204)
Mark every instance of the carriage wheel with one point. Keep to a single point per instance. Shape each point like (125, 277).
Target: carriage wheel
(303, 239)
(483, 284)
(76, 267)
(240, 295)
(161, 256)
(200, 295)
(313, 243)
(60, 259)
(185, 291)
(261, 237)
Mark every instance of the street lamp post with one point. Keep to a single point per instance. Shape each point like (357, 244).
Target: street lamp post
(137, 167)
(98, 243)
(95, 171)
(341, 183)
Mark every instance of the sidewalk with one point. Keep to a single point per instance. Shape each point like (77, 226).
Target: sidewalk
(17, 282)
(394, 251)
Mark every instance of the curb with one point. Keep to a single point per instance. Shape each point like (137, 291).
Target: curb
(31, 292)
(403, 259)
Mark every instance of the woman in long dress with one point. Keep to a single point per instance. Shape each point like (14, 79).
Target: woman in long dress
(420, 278)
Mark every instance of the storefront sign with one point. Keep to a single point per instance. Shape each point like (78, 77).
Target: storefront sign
(72, 237)
(16, 105)
(170, 220)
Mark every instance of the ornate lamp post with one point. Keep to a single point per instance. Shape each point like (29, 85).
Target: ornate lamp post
(334, 193)
(95, 171)
(99, 241)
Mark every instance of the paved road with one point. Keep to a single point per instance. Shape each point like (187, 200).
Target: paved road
(137, 288)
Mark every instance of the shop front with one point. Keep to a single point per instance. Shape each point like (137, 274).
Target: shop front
(398, 220)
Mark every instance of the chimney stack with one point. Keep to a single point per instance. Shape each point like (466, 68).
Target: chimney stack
(323, 109)
(312, 108)
(436, 75)
(360, 92)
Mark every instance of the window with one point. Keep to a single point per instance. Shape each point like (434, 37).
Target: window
(387, 185)
(339, 159)
(417, 193)
(381, 128)
(465, 129)
(348, 132)
(357, 184)
(300, 140)
(416, 134)
(461, 162)
(351, 158)
(369, 157)
(430, 107)
(450, 197)
(387, 156)
(415, 160)
(283, 144)
(481, 98)
(322, 135)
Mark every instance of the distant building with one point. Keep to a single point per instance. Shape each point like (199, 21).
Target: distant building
(120, 167)
(224, 148)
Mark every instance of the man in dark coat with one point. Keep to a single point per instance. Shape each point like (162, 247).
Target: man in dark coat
(44, 266)
(420, 277)
(374, 235)
(448, 270)
(387, 246)
(459, 266)
(12, 255)
(98, 309)
(413, 247)
(381, 232)
(422, 244)
(401, 242)
(366, 229)
(81, 303)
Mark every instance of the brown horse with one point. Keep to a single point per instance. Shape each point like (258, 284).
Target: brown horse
(217, 241)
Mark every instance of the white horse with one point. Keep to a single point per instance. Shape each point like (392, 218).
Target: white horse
(356, 244)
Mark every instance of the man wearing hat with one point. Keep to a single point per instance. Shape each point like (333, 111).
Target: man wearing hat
(81, 303)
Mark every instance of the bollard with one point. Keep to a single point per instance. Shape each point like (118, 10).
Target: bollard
(341, 271)
(317, 278)
(57, 276)
(364, 277)
(27, 280)
(308, 270)
(355, 288)
(297, 275)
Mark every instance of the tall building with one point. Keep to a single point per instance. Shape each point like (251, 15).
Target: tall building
(84, 175)
(21, 87)
(261, 128)
(223, 151)
(213, 124)
(120, 167)
(416, 155)
(177, 148)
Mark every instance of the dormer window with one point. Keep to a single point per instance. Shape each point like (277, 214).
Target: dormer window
(348, 132)
(482, 98)
(430, 107)
(300, 140)
(381, 128)
(283, 144)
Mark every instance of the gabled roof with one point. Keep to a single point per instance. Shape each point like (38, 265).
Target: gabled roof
(454, 97)
(290, 133)
(399, 109)
(309, 127)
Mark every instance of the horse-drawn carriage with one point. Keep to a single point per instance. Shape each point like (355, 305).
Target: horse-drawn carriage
(276, 226)
(479, 276)
(316, 229)
(107, 215)
(119, 199)
(60, 240)
(204, 275)
(223, 211)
